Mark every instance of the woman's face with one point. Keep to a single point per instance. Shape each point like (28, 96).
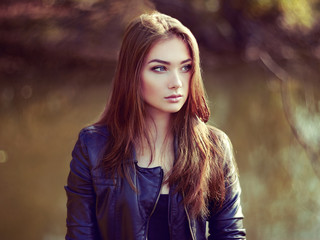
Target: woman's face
(165, 76)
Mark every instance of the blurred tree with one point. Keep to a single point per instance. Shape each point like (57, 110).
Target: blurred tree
(64, 33)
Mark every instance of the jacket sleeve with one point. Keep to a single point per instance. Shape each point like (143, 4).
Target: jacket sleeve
(226, 222)
(81, 219)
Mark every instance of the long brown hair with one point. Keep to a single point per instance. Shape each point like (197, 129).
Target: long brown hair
(198, 171)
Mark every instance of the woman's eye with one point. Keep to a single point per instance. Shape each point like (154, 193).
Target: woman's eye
(159, 69)
(186, 68)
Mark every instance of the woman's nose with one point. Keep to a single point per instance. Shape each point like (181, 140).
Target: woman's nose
(175, 80)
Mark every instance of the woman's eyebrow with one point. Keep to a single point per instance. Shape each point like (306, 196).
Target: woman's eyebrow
(159, 61)
(187, 60)
(168, 63)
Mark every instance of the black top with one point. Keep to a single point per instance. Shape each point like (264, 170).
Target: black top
(158, 224)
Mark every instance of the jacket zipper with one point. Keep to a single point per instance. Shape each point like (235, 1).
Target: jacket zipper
(155, 205)
(189, 222)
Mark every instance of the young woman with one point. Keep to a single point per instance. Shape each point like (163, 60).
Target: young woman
(151, 168)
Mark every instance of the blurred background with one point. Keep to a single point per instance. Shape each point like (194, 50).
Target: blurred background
(261, 66)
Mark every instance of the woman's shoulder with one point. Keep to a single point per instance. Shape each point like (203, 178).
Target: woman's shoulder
(220, 137)
(93, 134)
(224, 145)
(92, 141)
(94, 130)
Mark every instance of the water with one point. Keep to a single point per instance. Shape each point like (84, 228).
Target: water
(42, 113)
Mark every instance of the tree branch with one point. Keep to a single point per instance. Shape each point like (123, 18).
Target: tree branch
(284, 77)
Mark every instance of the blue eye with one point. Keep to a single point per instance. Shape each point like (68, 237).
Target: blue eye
(159, 68)
(186, 68)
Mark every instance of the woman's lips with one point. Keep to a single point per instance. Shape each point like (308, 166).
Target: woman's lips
(174, 98)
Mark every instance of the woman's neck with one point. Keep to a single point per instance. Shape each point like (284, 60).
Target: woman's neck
(160, 147)
(159, 127)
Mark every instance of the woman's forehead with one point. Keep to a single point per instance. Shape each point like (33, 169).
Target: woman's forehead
(171, 49)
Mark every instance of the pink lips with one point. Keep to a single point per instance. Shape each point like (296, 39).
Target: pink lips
(174, 98)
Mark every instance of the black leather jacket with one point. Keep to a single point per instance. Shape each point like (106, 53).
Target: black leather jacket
(101, 208)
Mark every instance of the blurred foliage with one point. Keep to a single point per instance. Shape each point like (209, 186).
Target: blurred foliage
(294, 12)
(261, 62)
(74, 30)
